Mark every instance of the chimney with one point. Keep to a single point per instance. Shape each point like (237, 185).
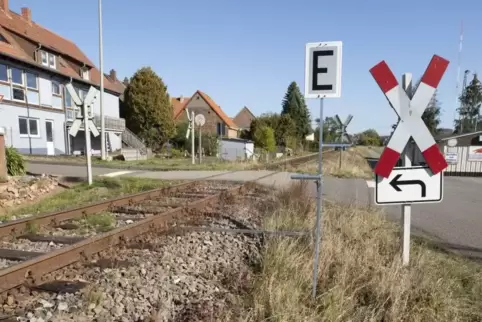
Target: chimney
(181, 98)
(26, 14)
(113, 74)
(4, 6)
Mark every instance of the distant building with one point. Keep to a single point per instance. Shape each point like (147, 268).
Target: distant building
(217, 122)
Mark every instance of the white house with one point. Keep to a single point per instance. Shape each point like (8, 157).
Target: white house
(36, 111)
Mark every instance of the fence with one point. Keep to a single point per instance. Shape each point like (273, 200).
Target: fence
(465, 165)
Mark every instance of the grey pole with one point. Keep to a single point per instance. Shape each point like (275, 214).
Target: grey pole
(319, 204)
(193, 139)
(101, 66)
(87, 143)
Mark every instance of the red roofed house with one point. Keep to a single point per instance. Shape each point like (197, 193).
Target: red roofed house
(217, 122)
(36, 110)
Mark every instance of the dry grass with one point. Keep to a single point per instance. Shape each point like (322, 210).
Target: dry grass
(360, 275)
(353, 165)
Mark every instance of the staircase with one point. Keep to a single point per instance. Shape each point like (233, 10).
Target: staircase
(133, 141)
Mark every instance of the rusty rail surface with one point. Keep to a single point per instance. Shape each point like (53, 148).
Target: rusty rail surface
(32, 270)
(16, 227)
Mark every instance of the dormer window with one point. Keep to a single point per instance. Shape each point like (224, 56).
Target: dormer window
(84, 72)
(48, 59)
(3, 39)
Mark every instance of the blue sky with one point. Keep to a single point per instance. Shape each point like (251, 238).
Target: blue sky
(247, 52)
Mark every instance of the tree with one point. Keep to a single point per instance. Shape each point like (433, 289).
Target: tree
(369, 137)
(294, 105)
(264, 138)
(148, 109)
(470, 102)
(283, 126)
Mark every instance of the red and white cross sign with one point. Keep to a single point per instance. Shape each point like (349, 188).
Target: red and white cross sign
(410, 114)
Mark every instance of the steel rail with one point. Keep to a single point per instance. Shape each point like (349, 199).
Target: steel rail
(17, 227)
(34, 269)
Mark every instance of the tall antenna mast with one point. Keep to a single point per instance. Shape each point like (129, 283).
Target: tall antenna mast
(458, 70)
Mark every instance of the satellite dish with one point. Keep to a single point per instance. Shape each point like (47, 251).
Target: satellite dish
(452, 142)
(199, 120)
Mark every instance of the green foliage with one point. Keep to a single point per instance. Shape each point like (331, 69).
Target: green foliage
(329, 131)
(15, 162)
(179, 140)
(264, 138)
(148, 109)
(470, 101)
(283, 126)
(294, 105)
(369, 137)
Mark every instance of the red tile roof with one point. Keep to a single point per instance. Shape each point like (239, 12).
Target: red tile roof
(36, 33)
(215, 107)
(15, 23)
(177, 105)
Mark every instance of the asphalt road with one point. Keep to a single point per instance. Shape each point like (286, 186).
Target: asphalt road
(456, 222)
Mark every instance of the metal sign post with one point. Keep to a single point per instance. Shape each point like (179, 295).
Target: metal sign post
(406, 185)
(322, 80)
(86, 117)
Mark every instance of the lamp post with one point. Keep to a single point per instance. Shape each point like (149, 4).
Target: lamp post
(101, 67)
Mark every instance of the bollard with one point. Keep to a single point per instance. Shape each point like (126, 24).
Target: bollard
(3, 160)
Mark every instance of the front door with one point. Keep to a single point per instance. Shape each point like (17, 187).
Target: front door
(49, 133)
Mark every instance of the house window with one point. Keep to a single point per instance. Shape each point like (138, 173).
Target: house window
(28, 127)
(221, 129)
(3, 39)
(85, 74)
(68, 98)
(18, 94)
(52, 61)
(45, 58)
(55, 88)
(3, 73)
(48, 59)
(17, 76)
(31, 80)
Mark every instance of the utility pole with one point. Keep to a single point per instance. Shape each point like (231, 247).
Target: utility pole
(103, 151)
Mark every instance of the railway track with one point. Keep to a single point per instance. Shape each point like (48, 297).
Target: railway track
(32, 250)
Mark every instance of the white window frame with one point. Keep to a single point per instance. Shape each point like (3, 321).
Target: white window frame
(28, 127)
(36, 80)
(23, 76)
(44, 54)
(52, 65)
(85, 74)
(60, 88)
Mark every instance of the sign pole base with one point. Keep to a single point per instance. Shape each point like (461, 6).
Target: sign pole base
(406, 223)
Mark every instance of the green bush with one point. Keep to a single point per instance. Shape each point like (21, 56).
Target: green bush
(15, 162)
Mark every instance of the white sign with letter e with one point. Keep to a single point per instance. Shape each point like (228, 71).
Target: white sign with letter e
(323, 69)
(409, 185)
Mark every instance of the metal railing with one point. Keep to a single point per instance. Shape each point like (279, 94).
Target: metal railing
(111, 123)
(132, 140)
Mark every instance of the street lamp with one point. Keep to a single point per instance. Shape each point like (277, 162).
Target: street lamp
(101, 67)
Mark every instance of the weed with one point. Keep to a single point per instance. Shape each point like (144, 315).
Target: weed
(101, 222)
(31, 228)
